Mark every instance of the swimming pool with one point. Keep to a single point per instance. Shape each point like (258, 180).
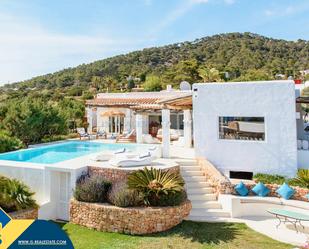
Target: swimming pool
(56, 153)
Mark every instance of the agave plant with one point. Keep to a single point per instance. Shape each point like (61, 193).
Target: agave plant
(302, 178)
(155, 183)
(15, 195)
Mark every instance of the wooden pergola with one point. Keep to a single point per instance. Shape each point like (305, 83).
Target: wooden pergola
(178, 103)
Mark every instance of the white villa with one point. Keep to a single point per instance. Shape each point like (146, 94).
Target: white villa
(244, 127)
(231, 131)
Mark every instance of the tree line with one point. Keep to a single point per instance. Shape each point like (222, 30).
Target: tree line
(50, 105)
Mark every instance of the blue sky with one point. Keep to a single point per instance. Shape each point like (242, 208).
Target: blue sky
(41, 36)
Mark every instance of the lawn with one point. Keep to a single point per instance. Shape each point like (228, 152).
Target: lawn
(186, 235)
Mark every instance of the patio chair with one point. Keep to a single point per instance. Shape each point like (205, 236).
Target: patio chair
(101, 133)
(124, 161)
(82, 133)
(129, 138)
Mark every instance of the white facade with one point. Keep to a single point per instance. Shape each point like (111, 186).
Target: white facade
(275, 101)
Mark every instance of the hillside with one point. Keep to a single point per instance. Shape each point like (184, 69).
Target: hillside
(244, 56)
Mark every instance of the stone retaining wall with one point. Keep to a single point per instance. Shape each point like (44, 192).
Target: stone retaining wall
(218, 181)
(28, 214)
(133, 220)
(119, 175)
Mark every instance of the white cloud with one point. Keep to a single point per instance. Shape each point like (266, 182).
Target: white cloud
(27, 49)
(281, 11)
(181, 10)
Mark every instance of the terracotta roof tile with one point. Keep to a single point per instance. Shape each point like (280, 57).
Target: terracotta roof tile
(121, 101)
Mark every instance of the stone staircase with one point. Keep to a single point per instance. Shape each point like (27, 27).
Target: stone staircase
(205, 206)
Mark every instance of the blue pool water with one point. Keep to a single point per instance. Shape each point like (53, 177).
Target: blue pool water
(56, 153)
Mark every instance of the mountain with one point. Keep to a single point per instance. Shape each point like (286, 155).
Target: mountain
(236, 56)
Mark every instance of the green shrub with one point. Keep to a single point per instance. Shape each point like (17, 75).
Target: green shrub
(121, 196)
(15, 195)
(171, 199)
(92, 189)
(155, 184)
(269, 179)
(9, 143)
(48, 139)
(302, 179)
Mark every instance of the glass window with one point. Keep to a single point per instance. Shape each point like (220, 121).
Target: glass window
(242, 128)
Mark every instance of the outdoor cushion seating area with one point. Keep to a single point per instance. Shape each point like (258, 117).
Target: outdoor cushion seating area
(284, 190)
(174, 134)
(240, 206)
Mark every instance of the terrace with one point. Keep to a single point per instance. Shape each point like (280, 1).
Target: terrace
(236, 136)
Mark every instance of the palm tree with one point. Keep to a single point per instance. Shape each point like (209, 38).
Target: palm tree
(209, 74)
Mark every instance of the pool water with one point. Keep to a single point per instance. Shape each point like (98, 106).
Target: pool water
(56, 153)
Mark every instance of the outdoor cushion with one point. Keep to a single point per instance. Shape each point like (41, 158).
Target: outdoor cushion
(241, 189)
(260, 189)
(285, 191)
(307, 196)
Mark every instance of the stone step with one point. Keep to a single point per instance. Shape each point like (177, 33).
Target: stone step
(209, 212)
(194, 178)
(202, 197)
(196, 184)
(205, 204)
(207, 190)
(190, 167)
(186, 163)
(189, 173)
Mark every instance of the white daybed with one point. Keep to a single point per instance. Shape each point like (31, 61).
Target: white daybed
(239, 206)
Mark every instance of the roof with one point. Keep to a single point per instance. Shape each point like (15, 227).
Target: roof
(121, 101)
(178, 102)
(112, 113)
(135, 98)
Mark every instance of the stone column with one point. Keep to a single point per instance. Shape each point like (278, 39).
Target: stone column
(187, 128)
(139, 127)
(89, 120)
(127, 120)
(166, 133)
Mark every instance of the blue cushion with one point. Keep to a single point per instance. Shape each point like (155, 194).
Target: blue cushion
(285, 191)
(260, 189)
(241, 189)
(307, 196)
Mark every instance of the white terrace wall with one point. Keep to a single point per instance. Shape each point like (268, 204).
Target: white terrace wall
(273, 100)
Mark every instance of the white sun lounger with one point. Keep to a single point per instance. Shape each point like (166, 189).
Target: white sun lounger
(124, 161)
(107, 155)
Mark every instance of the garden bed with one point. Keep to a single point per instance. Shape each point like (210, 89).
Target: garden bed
(26, 214)
(120, 174)
(131, 220)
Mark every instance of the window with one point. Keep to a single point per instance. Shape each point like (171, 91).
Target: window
(242, 128)
(241, 175)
